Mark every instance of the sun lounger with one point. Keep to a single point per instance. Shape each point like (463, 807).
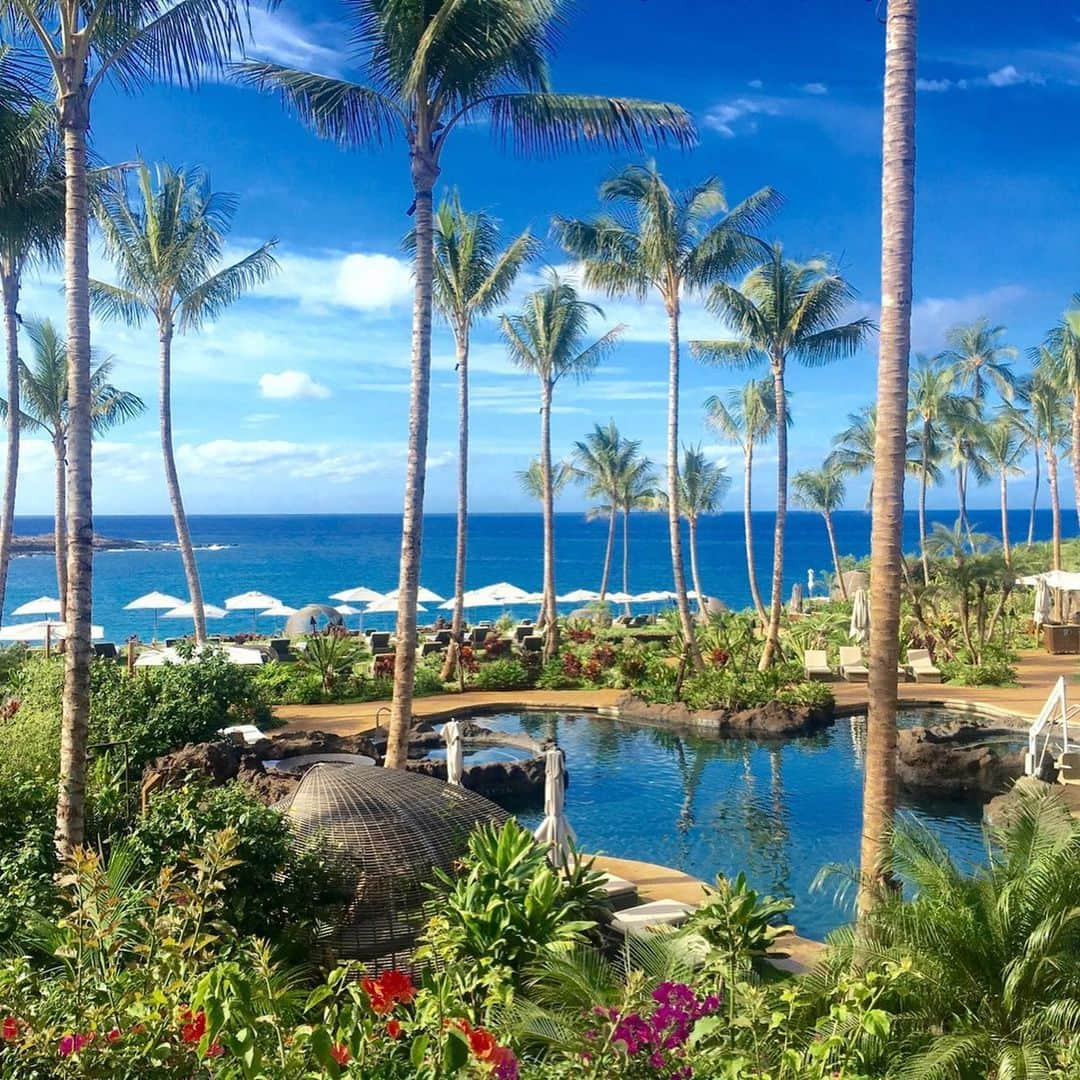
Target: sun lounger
(522, 631)
(1068, 767)
(651, 916)
(922, 666)
(106, 650)
(380, 642)
(279, 650)
(479, 636)
(534, 643)
(816, 664)
(852, 668)
(431, 648)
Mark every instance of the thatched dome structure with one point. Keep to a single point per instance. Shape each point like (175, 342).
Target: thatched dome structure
(299, 623)
(382, 831)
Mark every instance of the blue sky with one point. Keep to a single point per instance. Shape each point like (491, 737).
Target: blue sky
(297, 399)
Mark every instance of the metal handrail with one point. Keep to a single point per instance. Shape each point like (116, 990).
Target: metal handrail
(1055, 707)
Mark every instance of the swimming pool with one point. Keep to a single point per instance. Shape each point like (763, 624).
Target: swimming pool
(778, 810)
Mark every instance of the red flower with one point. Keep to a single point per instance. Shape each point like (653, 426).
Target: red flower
(195, 1028)
(340, 1053)
(215, 1050)
(114, 1034)
(398, 985)
(482, 1043)
(10, 1028)
(393, 1029)
(377, 999)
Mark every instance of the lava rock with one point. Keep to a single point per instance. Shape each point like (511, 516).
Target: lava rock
(218, 761)
(296, 743)
(773, 719)
(958, 759)
(500, 781)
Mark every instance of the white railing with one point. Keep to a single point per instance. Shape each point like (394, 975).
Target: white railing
(1054, 713)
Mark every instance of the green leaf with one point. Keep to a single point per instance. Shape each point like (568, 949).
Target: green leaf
(455, 1051)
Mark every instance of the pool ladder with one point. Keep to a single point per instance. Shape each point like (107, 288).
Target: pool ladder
(1055, 713)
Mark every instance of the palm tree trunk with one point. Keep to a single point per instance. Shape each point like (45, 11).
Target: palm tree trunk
(962, 479)
(674, 513)
(835, 552)
(458, 621)
(424, 174)
(890, 445)
(1005, 518)
(172, 482)
(692, 522)
(772, 632)
(71, 798)
(60, 518)
(608, 551)
(748, 528)
(626, 555)
(9, 286)
(924, 472)
(1034, 497)
(551, 635)
(1076, 451)
(1055, 505)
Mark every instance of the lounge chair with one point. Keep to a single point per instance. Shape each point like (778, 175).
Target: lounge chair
(522, 631)
(441, 637)
(380, 642)
(106, 650)
(922, 666)
(431, 648)
(278, 649)
(534, 643)
(852, 668)
(479, 636)
(1068, 767)
(816, 664)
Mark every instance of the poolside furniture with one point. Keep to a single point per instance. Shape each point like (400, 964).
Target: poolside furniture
(441, 637)
(106, 650)
(1068, 767)
(479, 636)
(431, 648)
(243, 734)
(279, 650)
(522, 631)
(922, 667)
(534, 643)
(816, 664)
(651, 916)
(380, 642)
(852, 668)
(620, 893)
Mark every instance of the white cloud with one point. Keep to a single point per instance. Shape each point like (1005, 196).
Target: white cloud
(755, 84)
(274, 36)
(365, 281)
(291, 385)
(254, 419)
(815, 88)
(939, 86)
(1009, 75)
(933, 317)
(728, 117)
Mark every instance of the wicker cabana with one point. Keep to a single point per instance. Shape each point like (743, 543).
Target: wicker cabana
(383, 830)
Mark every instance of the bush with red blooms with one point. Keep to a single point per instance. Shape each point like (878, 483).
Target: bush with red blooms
(719, 657)
(467, 659)
(382, 667)
(572, 665)
(580, 635)
(604, 654)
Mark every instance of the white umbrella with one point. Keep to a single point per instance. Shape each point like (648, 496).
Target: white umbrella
(425, 596)
(187, 611)
(621, 598)
(39, 631)
(43, 605)
(455, 758)
(345, 610)
(859, 630)
(233, 653)
(156, 602)
(278, 611)
(809, 582)
(578, 596)
(1042, 603)
(387, 603)
(656, 596)
(359, 595)
(251, 601)
(795, 604)
(555, 829)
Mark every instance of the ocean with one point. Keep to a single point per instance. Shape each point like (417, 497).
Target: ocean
(304, 558)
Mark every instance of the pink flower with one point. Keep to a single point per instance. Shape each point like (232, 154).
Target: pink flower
(10, 1028)
(114, 1035)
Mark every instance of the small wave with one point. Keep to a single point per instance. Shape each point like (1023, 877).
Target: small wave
(213, 547)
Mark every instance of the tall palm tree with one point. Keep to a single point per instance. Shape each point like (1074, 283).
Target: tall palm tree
(433, 66)
(531, 479)
(1021, 417)
(980, 358)
(31, 230)
(823, 490)
(1049, 407)
(887, 528)
(673, 243)
(1062, 362)
(1004, 449)
(86, 42)
(748, 419)
(782, 311)
(166, 246)
(471, 276)
(44, 408)
(703, 485)
(601, 459)
(547, 338)
(636, 491)
(930, 400)
(962, 433)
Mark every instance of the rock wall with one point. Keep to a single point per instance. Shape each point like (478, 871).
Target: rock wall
(771, 719)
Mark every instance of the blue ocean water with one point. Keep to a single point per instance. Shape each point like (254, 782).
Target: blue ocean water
(303, 559)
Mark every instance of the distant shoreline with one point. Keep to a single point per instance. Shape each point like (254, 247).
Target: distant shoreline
(44, 544)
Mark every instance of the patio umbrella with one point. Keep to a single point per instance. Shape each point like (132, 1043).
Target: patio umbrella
(578, 596)
(360, 595)
(253, 602)
(1042, 603)
(555, 829)
(278, 611)
(156, 602)
(345, 610)
(39, 631)
(387, 604)
(859, 631)
(809, 582)
(654, 596)
(186, 611)
(43, 605)
(424, 596)
(795, 603)
(455, 758)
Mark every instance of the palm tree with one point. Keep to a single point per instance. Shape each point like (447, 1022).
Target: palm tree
(962, 433)
(823, 490)
(1050, 421)
(1021, 417)
(887, 528)
(547, 339)
(1062, 362)
(748, 419)
(84, 43)
(167, 248)
(471, 276)
(531, 479)
(1004, 448)
(674, 243)
(782, 311)
(930, 400)
(44, 408)
(703, 485)
(31, 230)
(980, 359)
(433, 66)
(601, 460)
(636, 491)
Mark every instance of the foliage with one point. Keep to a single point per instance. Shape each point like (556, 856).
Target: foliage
(330, 657)
(509, 674)
(427, 680)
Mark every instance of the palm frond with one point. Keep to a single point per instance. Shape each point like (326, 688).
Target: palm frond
(210, 298)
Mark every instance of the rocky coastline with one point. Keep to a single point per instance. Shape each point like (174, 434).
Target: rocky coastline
(44, 544)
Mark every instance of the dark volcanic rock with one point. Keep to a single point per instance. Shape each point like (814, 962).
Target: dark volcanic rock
(958, 758)
(509, 781)
(217, 761)
(297, 743)
(771, 719)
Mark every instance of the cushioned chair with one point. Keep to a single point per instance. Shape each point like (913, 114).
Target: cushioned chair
(852, 668)
(922, 666)
(816, 664)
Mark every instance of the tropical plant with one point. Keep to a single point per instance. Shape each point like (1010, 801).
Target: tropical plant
(673, 242)
(1004, 450)
(531, 479)
(167, 247)
(636, 491)
(962, 448)
(980, 359)
(748, 419)
(1049, 409)
(31, 231)
(84, 43)
(891, 445)
(1060, 359)
(43, 389)
(547, 339)
(471, 277)
(782, 311)
(823, 490)
(332, 657)
(433, 66)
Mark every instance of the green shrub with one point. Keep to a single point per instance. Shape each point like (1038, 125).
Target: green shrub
(331, 658)
(553, 676)
(501, 675)
(288, 684)
(427, 681)
(993, 671)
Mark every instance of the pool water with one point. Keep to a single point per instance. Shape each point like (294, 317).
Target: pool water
(483, 755)
(780, 810)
